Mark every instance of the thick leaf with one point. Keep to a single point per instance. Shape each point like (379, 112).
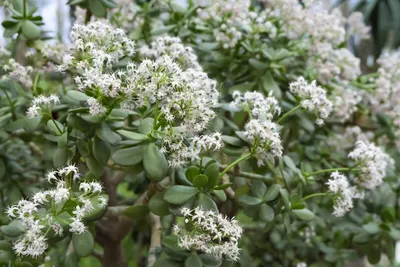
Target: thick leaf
(2, 168)
(83, 244)
(133, 135)
(158, 205)
(205, 202)
(234, 141)
(95, 167)
(13, 229)
(371, 228)
(30, 30)
(192, 172)
(249, 201)
(289, 162)
(129, 156)
(101, 150)
(60, 157)
(285, 197)
(166, 262)
(200, 180)
(155, 163)
(220, 194)
(193, 261)
(266, 213)
(304, 214)
(137, 212)
(97, 8)
(78, 96)
(180, 194)
(146, 126)
(106, 134)
(212, 172)
(258, 189)
(272, 192)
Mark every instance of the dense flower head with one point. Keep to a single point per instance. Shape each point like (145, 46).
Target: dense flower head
(372, 162)
(313, 98)
(260, 106)
(356, 26)
(345, 104)
(39, 214)
(42, 102)
(212, 233)
(344, 193)
(173, 47)
(265, 139)
(19, 72)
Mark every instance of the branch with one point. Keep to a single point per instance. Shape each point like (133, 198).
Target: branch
(155, 244)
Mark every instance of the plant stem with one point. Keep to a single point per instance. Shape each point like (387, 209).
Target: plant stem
(329, 170)
(24, 7)
(293, 110)
(230, 166)
(58, 128)
(253, 176)
(314, 195)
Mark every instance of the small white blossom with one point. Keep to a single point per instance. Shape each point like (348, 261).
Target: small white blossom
(259, 106)
(372, 162)
(313, 98)
(95, 108)
(77, 226)
(42, 102)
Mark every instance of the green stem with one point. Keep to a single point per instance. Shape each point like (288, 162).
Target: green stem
(230, 166)
(254, 176)
(58, 128)
(293, 110)
(35, 83)
(329, 170)
(24, 7)
(314, 195)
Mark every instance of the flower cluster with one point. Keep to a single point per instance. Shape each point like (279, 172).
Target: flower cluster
(313, 98)
(43, 216)
(372, 162)
(19, 73)
(344, 194)
(42, 102)
(212, 234)
(345, 104)
(173, 47)
(356, 26)
(255, 102)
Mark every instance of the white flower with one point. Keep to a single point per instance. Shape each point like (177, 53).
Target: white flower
(42, 102)
(372, 162)
(346, 102)
(313, 98)
(85, 187)
(51, 175)
(259, 106)
(356, 26)
(96, 187)
(264, 136)
(95, 108)
(79, 212)
(77, 226)
(102, 202)
(212, 234)
(344, 194)
(57, 229)
(19, 73)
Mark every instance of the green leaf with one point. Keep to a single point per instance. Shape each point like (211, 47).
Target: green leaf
(133, 135)
(83, 147)
(164, 29)
(13, 229)
(285, 197)
(223, 186)
(32, 123)
(266, 213)
(109, 4)
(192, 172)
(200, 180)
(258, 189)
(83, 244)
(155, 163)
(304, 214)
(9, 23)
(289, 162)
(137, 212)
(212, 172)
(129, 156)
(362, 238)
(96, 168)
(210, 261)
(60, 157)
(78, 96)
(249, 201)
(7, 258)
(234, 141)
(257, 64)
(180, 194)
(205, 202)
(63, 140)
(158, 205)
(272, 192)
(30, 30)
(220, 194)
(269, 85)
(101, 150)
(106, 134)
(166, 262)
(371, 228)
(53, 128)
(5, 119)
(146, 126)
(193, 261)
(97, 8)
